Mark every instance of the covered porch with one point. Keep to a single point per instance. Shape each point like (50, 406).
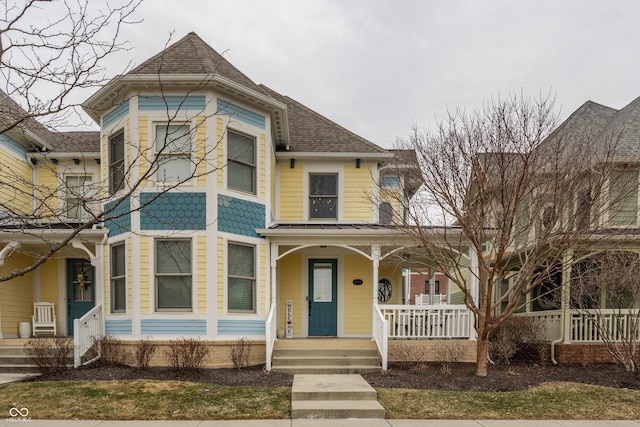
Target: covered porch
(347, 282)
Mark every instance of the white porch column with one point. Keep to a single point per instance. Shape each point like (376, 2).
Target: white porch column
(473, 256)
(273, 252)
(566, 296)
(375, 261)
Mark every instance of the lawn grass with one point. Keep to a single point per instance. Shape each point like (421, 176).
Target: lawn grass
(178, 400)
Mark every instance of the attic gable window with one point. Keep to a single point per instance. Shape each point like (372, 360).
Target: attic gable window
(323, 196)
(241, 166)
(173, 147)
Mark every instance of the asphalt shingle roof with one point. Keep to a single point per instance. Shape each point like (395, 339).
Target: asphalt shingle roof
(311, 132)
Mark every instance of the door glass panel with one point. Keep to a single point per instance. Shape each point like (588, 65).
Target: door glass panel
(322, 276)
(82, 281)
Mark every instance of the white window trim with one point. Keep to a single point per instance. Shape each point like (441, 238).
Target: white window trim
(256, 178)
(322, 169)
(90, 199)
(111, 277)
(153, 178)
(153, 291)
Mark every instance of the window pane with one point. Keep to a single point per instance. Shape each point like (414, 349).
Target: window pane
(323, 185)
(322, 283)
(624, 197)
(241, 260)
(323, 207)
(241, 148)
(240, 177)
(119, 293)
(173, 169)
(174, 291)
(240, 294)
(390, 181)
(173, 139)
(117, 260)
(173, 256)
(386, 213)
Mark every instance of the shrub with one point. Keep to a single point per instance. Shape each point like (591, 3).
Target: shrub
(241, 353)
(447, 352)
(410, 356)
(521, 338)
(111, 350)
(50, 355)
(143, 352)
(186, 354)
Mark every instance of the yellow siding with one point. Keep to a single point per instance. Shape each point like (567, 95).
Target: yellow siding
(104, 164)
(357, 190)
(290, 288)
(262, 149)
(106, 276)
(201, 304)
(16, 295)
(290, 192)
(201, 148)
(273, 182)
(48, 186)
(221, 282)
(357, 299)
(15, 176)
(143, 144)
(145, 279)
(49, 281)
(220, 150)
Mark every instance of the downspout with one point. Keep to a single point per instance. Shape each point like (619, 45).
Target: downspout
(564, 303)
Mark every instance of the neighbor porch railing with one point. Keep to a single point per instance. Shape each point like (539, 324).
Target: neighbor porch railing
(427, 321)
(380, 328)
(86, 330)
(270, 334)
(590, 326)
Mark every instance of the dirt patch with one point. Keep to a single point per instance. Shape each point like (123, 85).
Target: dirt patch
(458, 377)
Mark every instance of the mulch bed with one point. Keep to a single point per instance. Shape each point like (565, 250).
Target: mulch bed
(453, 377)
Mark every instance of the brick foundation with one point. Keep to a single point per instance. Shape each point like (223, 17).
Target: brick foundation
(583, 354)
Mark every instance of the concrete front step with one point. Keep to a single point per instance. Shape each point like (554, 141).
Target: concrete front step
(331, 357)
(333, 396)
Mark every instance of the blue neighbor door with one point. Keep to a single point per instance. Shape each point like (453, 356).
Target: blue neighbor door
(323, 306)
(80, 292)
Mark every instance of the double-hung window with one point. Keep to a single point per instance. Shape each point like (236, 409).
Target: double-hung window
(323, 196)
(173, 149)
(78, 196)
(241, 166)
(116, 162)
(118, 279)
(173, 274)
(241, 273)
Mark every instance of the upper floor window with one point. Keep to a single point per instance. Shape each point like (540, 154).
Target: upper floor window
(78, 197)
(241, 167)
(623, 194)
(323, 196)
(173, 147)
(118, 279)
(173, 274)
(386, 213)
(116, 162)
(390, 181)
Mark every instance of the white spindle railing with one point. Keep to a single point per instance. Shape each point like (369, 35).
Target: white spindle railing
(427, 321)
(380, 329)
(596, 325)
(552, 320)
(270, 334)
(86, 331)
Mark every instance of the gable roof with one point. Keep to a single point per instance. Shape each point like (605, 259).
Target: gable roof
(191, 55)
(21, 125)
(311, 132)
(625, 125)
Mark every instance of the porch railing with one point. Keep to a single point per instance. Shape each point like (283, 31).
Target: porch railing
(591, 326)
(270, 334)
(427, 321)
(380, 328)
(86, 329)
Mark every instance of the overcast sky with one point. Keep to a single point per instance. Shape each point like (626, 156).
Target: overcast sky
(377, 66)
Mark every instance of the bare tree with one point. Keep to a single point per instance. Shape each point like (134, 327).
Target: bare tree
(605, 291)
(514, 191)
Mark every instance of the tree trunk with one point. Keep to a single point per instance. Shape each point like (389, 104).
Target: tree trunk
(482, 349)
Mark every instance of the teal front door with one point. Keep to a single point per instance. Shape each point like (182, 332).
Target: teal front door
(323, 305)
(80, 292)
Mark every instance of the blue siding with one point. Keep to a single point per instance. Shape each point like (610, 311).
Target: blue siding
(115, 114)
(118, 327)
(118, 221)
(172, 103)
(173, 327)
(173, 211)
(242, 114)
(239, 216)
(13, 146)
(241, 327)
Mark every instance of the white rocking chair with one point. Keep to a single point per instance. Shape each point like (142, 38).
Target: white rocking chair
(44, 318)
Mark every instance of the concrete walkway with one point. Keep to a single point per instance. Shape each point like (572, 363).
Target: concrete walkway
(321, 423)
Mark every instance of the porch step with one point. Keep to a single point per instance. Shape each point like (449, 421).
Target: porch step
(326, 357)
(334, 396)
(14, 359)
